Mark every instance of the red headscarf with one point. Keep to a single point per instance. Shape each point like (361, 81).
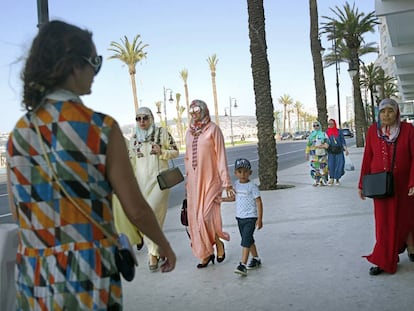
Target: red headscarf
(332, 131)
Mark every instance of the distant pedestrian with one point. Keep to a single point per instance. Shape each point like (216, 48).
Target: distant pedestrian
(394, 216)
(249, 214)
(336, 158)
(316, 153)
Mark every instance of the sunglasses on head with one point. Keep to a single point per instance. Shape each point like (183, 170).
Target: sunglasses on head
(195, 109)
(144, 118)
(95, 62)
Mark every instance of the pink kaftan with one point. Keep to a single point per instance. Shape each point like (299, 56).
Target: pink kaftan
(204, 185)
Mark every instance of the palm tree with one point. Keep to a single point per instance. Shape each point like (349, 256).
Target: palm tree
(390, 90)
(347, 28)
(316, 50)
(369, 79)
(286, 101)
(263, 97)
(184, 77)
(179, 122)
(212, 63)
(130, 54)
(298, 108)
(381, 81)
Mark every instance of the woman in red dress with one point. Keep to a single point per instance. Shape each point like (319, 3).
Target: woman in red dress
(394, 216)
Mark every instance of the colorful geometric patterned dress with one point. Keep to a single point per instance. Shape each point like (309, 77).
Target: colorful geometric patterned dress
(63, 261)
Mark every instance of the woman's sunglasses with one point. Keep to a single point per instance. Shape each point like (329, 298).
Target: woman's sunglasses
(95, 62)
(194, 109)
(144, 118)
(316, 125)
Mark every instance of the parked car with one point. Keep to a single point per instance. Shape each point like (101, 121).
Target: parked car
(286, 136)
(299, 135)
(347, 133)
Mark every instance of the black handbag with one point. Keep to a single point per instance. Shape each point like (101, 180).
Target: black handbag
(183, 214)
(169, 178)
(125, 258)
(379, 185)
(335, 149)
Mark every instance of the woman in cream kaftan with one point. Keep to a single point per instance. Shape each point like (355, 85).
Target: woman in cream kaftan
(150, 149)
(207, 175)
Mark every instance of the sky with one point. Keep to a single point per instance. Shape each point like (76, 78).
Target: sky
(180, 34)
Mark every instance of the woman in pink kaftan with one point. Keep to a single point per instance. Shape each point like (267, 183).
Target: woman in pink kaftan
(394, 216)
(207, 175)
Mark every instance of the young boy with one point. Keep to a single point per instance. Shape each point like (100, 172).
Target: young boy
(249, 214)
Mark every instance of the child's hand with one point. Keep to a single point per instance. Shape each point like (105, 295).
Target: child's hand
(259, 224)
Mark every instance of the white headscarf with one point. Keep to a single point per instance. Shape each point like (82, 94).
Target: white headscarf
(144, 135)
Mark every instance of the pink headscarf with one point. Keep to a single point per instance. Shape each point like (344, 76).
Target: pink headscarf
(197, 126)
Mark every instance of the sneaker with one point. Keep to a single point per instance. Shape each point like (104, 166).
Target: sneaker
(330, 182)
(254, 264)
(337, 182)
(241, 269)
(322, 183)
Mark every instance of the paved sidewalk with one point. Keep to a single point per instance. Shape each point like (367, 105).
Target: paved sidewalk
(311, 247)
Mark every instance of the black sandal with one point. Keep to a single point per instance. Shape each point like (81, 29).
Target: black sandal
(375, 270)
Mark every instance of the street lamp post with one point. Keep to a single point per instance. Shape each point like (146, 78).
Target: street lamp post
(231, 118)
(337, 69)
(165, 102)
(42, 13)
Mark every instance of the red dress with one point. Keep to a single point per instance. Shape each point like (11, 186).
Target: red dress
(394, 216)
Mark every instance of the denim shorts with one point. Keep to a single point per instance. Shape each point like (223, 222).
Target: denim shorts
(246, 228)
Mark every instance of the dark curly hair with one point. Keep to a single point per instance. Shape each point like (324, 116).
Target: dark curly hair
(55, 51)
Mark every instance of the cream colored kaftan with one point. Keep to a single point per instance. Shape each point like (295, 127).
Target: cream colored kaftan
(146, 169)
(205, 183)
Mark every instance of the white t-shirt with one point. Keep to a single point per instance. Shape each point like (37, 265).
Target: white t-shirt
(246, 195)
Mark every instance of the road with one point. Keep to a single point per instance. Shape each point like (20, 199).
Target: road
(290, 153)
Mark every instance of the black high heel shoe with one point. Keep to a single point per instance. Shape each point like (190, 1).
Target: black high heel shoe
(203, 265)
(222, 257)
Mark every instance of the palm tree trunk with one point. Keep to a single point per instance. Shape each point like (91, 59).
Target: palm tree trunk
(360, 119)
(134, 92)
(318, 76)
(187, 101)
(263, 97)
(213, 82)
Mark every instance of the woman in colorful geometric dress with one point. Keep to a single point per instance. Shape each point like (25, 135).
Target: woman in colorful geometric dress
(394, 216)
(336, 159)
(65, 262)
(207, 176)
(316, 152)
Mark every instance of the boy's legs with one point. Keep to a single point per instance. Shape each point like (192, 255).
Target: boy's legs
(245, 255)
(253, 250)
(246, 228)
